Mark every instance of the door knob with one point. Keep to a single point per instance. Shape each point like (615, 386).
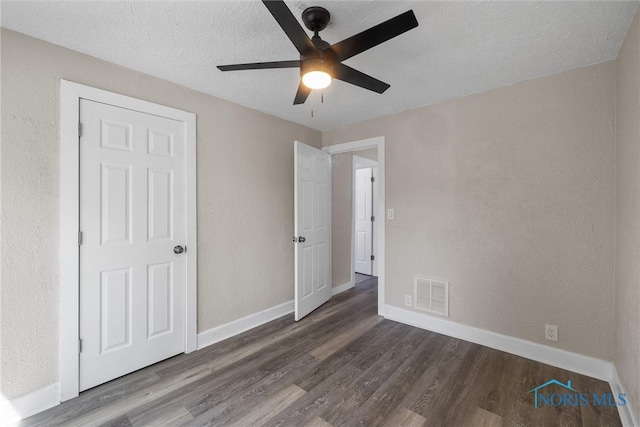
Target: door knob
(178, 250)
(301, 239)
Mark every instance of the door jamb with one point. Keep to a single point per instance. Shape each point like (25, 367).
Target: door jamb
(70, 95)
(376, 142)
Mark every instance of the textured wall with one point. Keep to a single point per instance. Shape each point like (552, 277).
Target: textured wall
(342, 206)
(509, 195)
(245, 159)
(627, 347)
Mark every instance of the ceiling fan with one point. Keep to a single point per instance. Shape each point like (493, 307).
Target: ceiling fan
(319, 61)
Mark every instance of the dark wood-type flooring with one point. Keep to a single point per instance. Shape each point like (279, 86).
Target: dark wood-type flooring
(340, 366)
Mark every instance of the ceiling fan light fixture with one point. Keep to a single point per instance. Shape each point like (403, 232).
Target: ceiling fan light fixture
(316, 79)
(315, 73)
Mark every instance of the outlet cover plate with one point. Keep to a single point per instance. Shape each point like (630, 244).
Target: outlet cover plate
(408, 300)
(551, 332)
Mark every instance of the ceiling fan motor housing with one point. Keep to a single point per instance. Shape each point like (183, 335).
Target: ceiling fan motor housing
(316, 64)
(321, 60)
(316, 18)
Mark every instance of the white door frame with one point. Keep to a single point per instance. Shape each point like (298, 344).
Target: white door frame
(70, 95)
(361, 163)
(377, 142)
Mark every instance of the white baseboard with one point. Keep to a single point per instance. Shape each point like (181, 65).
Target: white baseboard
(14, 410)
(628, 415)
(342, 288)
(590, 366)
(228, 330)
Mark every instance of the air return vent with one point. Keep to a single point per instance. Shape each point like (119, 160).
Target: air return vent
(432, 296)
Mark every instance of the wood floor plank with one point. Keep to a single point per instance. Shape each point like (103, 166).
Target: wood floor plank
(381, 405)
(482, 418)
(232, 378)
(346, 412)
(253, 368)
(402, 417)
(233, 385)
(318, 422)
(506, 394)
(455, 390)
(323, 395)
(489, 392)
(167, 415)
(346, 337)
(214, 352)
(122, 406)
(363, 344)
(317, 316)
(234, 406)
(121, 421)
(340, 366)
(423, 396)
(229, 351)
(95, 398)
(596, 415)
(375, 348)
(360, 278)
(273, 404)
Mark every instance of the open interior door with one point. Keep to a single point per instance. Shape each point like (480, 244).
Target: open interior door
(364, 221)
(312, 229)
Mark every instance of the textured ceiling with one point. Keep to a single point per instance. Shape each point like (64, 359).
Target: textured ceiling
(458, 49)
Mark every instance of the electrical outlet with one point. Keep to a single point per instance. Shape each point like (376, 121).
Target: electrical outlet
(551, 332)
(408, 300)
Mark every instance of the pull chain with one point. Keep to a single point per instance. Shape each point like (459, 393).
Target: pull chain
(321, 102)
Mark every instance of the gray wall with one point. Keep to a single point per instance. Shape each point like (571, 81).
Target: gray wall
(627, 290)
(509, 195)
(244, 157)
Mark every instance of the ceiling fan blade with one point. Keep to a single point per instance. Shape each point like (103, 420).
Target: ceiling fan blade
(375, 35)
(290, 25)
(355, 77)
(302, 94)
(260, 65)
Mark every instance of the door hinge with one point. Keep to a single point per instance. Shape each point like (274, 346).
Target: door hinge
(373, 179)
(79, 130)
(373, 257)
(79, 238)
(79, 346)
(373, 218)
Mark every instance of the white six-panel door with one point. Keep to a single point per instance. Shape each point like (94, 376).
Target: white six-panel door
(364, 226)
(312, 229)
(132, 216)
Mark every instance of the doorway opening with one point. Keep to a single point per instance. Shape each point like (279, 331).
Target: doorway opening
(351, 246)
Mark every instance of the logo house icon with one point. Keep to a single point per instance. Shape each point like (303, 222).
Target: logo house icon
(548, 383)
